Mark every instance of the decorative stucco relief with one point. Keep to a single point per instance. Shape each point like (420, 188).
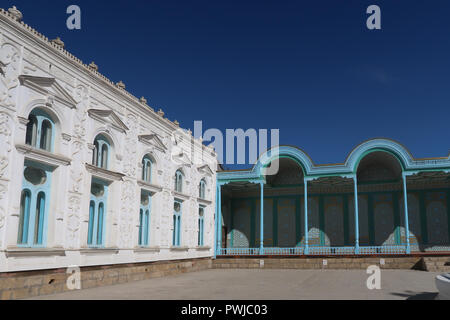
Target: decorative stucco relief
(126, 224)
(5, 143)
(167, 206)
(73, 222)
(129, 163)
(9, 73)
(77, 171)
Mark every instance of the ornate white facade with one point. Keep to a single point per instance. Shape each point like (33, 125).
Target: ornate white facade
(40, 77)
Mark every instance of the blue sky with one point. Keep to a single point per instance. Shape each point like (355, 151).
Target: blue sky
(309, 68)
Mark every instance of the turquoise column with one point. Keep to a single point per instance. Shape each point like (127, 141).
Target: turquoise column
(216, 222)
(261, 220)
(219, 220)
(405, 199)
(306, 216)
(356, 215)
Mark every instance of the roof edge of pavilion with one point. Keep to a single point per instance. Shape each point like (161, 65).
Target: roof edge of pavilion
(348, 169)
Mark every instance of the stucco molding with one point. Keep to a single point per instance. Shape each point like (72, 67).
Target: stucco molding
(153, 188)
(49, 88)
(104, 174)
(42, 156)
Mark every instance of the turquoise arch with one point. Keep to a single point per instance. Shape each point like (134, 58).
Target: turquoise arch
(346, 169)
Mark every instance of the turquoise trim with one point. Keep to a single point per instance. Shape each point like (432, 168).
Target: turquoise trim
(306, 213)
(405, 193)
(346, 169)
(201, 223)
(176, 236)
(147, 165)
(102, 145)
(144, 219)
(261, 219)
(38, 118)
(97, 215)
(33, 220)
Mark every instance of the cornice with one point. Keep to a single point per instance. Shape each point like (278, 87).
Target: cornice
(149, 186)
(204, 201)
(180, 196)
(104, 174)
(42, 156)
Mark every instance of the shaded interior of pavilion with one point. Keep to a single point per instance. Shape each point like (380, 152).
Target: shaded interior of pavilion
(331, 225)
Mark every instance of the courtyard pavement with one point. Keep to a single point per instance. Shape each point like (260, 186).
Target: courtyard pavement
(238, 284)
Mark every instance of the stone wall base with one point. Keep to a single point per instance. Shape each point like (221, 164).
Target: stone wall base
(437, 264)
(409, 262)
(19, 285)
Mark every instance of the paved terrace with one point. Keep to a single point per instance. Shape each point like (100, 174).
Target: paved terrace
(238, 284)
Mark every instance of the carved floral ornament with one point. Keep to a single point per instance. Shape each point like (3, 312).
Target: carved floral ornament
(9, 64)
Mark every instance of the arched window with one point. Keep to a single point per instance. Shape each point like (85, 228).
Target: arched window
(40, 130)
(201, 225)
(24, 219)
(100, 155)
(202, 189)
(179, 181)
(144, 219)
(147, 169)
(97, 211)
(176, 238)
(34, 203)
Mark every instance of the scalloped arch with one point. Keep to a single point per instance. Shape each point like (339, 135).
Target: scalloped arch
(291, 152)
(384, 145)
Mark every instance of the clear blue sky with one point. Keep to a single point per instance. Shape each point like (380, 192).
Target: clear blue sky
(310, 68)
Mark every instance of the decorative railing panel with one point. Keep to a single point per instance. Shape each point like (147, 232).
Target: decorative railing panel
(315, 250)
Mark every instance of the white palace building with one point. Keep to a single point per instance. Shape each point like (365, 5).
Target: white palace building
(90, 174)
(93, 178)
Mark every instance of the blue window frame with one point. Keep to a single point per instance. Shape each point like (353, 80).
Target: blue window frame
(34, 205)
(144, 218)
(100, 155)
(178, 181)
(176, 239)
(40, 130)
(97, 213)
(147, 169)
(201, 225)
(202, 189)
